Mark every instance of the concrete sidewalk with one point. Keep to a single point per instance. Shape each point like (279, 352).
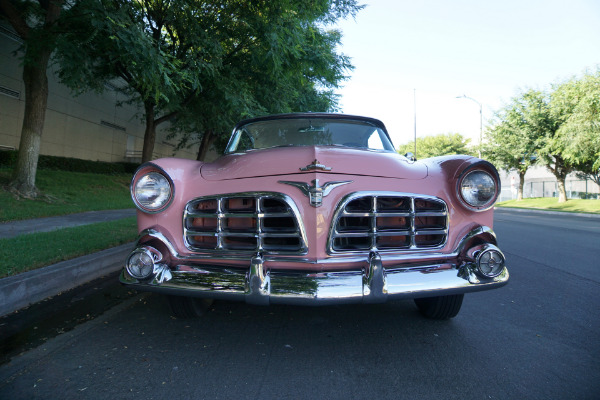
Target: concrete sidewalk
(16, 228)
(30, 287)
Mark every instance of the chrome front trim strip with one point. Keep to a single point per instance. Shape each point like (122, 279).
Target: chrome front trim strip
(398, 257)
(373, 284)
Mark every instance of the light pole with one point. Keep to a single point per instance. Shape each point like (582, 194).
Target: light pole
(464, 96)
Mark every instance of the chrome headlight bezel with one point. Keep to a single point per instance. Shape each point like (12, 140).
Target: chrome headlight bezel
(490, 261)
(483, 181)
(159, 188)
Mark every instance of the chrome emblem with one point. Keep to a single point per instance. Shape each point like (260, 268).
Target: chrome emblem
(315, 165)
(315, 192)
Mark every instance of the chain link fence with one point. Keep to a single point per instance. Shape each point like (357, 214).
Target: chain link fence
(576, 189)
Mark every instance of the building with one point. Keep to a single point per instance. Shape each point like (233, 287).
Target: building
(90, 126)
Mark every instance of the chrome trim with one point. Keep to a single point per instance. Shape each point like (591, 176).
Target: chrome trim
(373, 214)
(258, 233)
(162, 273)
(489, 248)
(315, 193)
(484, 166)
(154, 255)
(374, 284)
(374, 280)
(399, 257)
(315, 165)
(151, 165)
(258, 282)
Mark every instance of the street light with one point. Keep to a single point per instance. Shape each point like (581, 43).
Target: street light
(464, 96)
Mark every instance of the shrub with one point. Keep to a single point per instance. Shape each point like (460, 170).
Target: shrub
(9, 159)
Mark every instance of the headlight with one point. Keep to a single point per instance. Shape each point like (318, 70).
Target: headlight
(151, 191)
(478, 189)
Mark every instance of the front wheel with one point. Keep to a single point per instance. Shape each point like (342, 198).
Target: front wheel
(188, 307)
(441, 307)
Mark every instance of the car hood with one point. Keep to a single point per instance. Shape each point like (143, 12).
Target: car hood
(291, 160)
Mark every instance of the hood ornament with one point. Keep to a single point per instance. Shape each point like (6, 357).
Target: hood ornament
(315, 192)
(315, 165)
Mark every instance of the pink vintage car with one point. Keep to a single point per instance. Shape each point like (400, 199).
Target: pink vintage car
(315, 209)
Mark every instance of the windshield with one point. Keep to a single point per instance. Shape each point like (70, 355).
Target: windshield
(308, 132)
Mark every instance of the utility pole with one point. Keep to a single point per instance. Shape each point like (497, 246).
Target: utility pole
(415, 114)
(464, 96)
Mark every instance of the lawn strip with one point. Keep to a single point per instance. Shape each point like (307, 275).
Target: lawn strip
(65, 192)
(552, 204)
(28, 252)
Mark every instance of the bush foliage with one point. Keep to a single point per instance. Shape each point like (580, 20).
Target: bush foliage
(54, 163)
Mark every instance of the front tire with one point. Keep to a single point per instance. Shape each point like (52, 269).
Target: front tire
(188, 307)
(441, 307)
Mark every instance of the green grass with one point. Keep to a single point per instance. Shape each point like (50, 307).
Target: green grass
(551, 203)
(66, 193)
(28, 252)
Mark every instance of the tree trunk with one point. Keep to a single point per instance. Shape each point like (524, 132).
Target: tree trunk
(521, 184)
(207, 140)
(560, 172)
(36, 99)
(150, 133)
(562, 192)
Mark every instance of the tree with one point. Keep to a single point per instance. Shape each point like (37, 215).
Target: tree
(157, 49)
(512, 137)
(199, 65)
(252, 83)
(557, 128)
(439, 145)
(576, 104)
(38, 24)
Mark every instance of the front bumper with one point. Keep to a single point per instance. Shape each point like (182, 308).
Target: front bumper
(373, 283)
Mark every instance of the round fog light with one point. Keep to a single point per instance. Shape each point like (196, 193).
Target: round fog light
(490, 263)
(140, 264)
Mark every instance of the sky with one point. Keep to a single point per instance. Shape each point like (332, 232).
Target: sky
(419, 55)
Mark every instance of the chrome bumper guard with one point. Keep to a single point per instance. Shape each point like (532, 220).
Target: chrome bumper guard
(373, 284)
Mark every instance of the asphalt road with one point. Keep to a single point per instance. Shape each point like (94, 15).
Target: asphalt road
(536, 338)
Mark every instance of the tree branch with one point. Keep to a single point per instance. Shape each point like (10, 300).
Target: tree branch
(15, 19)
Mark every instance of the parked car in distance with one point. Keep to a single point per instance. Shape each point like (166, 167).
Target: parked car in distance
(316, 209)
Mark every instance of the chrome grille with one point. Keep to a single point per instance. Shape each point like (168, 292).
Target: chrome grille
(388, 221)
(246, 222)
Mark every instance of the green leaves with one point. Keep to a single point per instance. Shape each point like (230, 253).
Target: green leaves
(519, 129)
(439, 145)
(204, 65)
(576, 103)
(559, 129)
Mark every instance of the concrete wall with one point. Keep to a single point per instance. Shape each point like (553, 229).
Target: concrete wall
(90, 126)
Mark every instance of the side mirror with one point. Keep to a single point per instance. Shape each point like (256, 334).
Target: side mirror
(410, 156)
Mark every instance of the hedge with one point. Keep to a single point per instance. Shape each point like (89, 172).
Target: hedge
(9, 159)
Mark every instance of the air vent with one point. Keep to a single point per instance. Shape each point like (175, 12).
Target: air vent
(113, 126)
(9, 92)
(10, 34)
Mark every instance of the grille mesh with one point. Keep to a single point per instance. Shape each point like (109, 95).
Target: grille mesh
(389, 222)
(244, 222)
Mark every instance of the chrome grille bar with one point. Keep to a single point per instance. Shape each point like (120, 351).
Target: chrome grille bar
(388, 221)
(247, 222)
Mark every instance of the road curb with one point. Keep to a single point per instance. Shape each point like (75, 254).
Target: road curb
(19, 291)
(538, 211)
